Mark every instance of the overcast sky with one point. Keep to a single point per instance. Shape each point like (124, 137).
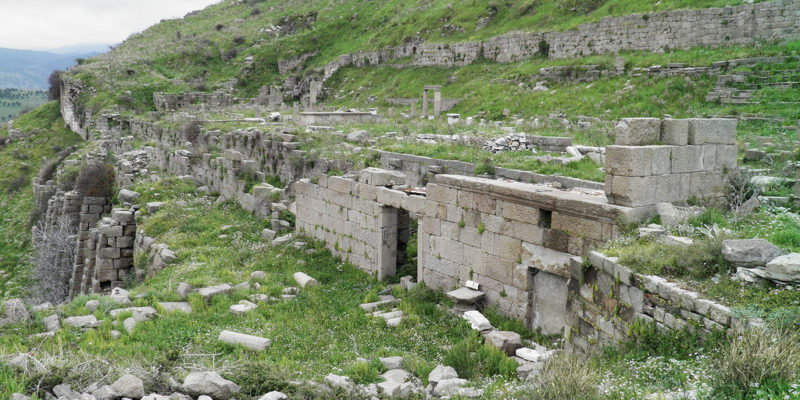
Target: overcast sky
(49, 24)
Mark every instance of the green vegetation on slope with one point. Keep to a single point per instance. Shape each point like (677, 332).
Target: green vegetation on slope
(14, 101)
(20, 161)
(207, 49)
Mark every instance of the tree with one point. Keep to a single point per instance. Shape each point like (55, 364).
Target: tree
(54, 93)
(55, 253)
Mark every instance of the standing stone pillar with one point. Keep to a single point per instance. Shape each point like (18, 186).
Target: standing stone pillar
(413, 109)
(387, 253)
(312, 95)
(425, 103)
(437, 102)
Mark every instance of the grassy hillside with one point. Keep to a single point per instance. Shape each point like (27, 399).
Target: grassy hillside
(21, 160)
(13, 101)
(207, 49)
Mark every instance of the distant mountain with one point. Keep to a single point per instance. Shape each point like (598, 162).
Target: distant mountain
(28, 69)
(84, 48)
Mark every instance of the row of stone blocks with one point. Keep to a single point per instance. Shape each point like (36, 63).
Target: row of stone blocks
(85, 244)
(107, 254)
(670, 160)
(606, 298)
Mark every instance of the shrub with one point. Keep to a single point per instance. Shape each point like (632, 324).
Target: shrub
(544, 48)
(471, 358)
(54, 92)
(758, 357)
(16, 184)
(238, 40)
(68, 177)
(95, 180)
(55, 252)
(566, 377)
(47, 170)
(191, 131)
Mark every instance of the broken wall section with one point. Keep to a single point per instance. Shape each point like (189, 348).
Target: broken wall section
(694, 160)
(358, 220)
(608, 300)
(515, 239)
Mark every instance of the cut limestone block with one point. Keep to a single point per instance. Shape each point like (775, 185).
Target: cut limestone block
(211, 291)
(251, 342)
(139, 313)
(304, 280)
(465, 295)
(86, 321)
(243, 307)
(675, 132)
(477, 320)
(505, 341)
(176, 306)
(712, 131)
(638, 131)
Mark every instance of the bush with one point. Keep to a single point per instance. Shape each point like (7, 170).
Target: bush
(191, 131)
(69, 176)
(757, 358)
(55, 252)
(471, 359)
(16, 184)
(544, 48)
(47, 170)
(566, 377)
(95, 180)
(54, 92)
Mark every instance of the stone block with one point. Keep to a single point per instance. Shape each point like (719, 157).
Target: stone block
(712, 131)
(520, 213)
(662, 160)
(674, 132)
(110, 252)
(638, 131)
(709, 157)
(727, 157)
(120, 215)
(632, 191)
(629, 160)
(111, 230)
(251, 342)
(687, 159)
(576, 226)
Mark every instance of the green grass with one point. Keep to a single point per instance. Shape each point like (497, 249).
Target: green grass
(13, 101)
(318, 333)
(583, 169)
(21, 160)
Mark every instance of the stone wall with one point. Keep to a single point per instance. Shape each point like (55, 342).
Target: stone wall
(419, 170)
(694, 161)
(92, 211)
(515, 239)
(357, 220)
(658, 32)
(606, 300)
(191, 100)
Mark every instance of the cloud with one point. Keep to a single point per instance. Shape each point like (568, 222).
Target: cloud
(47, 24)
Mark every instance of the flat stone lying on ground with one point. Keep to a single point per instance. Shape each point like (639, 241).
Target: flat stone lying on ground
(184, 289)
(208, 292)
(211, 384)
(139, 313)
(505, 341)
(377, 304)
(477, 320)
(251, 342)
(128, 386)
(120, 296)
(84, 322)
(274, 396)
(784, 268)
(338, 381)
(465, 295)
(243, 307)
(176, 306)
(304, 280)
(92, 305)
(748, 253)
